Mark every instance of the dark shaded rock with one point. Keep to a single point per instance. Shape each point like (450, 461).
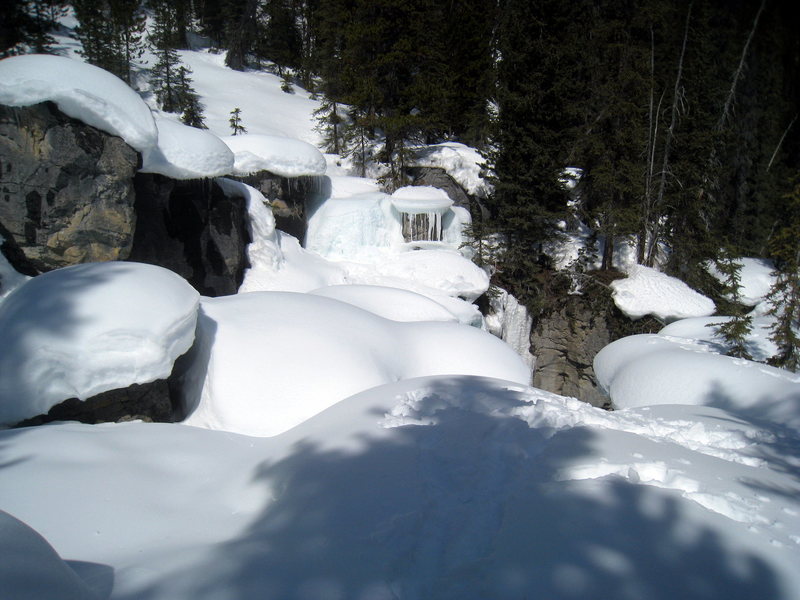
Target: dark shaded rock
(192, 228)
(288, 197)
(147, 402)
(66, 190)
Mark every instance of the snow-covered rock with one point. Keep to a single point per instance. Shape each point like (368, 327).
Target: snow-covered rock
(188, 153)
(647, 370)
(86, 329)
(82, 91)
(649, 292)
(419, 199)
(390, 303)
(282, 156)
(461, 162)
(271, 360)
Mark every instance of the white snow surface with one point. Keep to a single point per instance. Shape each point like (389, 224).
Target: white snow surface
(81, 91)
(187, 153)
(390, 303)
(319, 352)
(418, 199)
(701, 330)
(645, 370)
(439, 487)
(282, 156)
(461, 162)
(646, 291)
(32, 570)
(86, 329)
(756, 277)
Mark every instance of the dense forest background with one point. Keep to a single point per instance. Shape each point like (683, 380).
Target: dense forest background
(682, 117)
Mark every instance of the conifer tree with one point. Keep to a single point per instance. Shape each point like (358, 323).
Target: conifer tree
(235, 122)
(785, 293)
(189, 100)
(734, 331)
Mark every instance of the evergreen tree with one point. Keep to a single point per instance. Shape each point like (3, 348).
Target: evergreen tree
(785, 293)
(734, 331)
(235, 122)
(281, 42)
(189, 101)
(331, 125)
(25, 25)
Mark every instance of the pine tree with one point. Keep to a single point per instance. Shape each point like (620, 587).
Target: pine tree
(235, 122)
(25, 25)
(189, 100)
(331, 125)
(785, 293)
(734, 331)
(166, 78)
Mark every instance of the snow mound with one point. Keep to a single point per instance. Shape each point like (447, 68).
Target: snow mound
(648, 292)
(418, 199)
(461, 162)
(32, 570)
(645, 370)
(86, 329)
(701, 330)
(282, 156)
(756, 277)
(81, 91)
(437, 268)
(187, 153)
(390, 303)
(276, 358)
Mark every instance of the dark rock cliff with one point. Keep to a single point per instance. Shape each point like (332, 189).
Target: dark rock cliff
(66, 190)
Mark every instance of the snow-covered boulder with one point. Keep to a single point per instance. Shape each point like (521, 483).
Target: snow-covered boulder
(649, 292)
(267, 361)
(646, 370)
(83, 330)
(390, 303)
(83, 92)
(188, 153)
(282, 156)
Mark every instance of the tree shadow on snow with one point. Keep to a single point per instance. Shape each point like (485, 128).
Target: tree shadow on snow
(473, 506)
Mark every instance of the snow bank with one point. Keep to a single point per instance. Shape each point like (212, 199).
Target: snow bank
(701, 330)
(755, 278)
(282, 156)
(646, 370)
(420, 199)
(187, 153)
(390, 303)
(439, 487)
(274, 359)
(81, 91)
(648, 292)
(461, 162)
(86, 329)
(32, 570)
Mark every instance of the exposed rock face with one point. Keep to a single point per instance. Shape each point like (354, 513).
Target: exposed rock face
(566, 338)
(193, 229)
(66, 190)
(565, 343)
